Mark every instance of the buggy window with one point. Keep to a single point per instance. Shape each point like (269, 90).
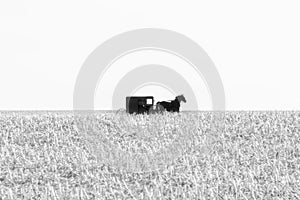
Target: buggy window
(149, 101)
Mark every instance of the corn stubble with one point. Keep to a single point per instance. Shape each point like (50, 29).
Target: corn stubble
(188, 155)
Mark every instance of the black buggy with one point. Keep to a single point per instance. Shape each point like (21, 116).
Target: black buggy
(139, 104)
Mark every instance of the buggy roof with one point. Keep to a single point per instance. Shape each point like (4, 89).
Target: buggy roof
(147, 97)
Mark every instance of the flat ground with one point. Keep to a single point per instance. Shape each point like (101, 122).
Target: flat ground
(188, 155)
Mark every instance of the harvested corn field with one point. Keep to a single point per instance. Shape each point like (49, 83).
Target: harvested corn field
(114, 155)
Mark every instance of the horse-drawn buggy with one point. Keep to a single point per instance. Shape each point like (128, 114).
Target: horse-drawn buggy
(145, 104)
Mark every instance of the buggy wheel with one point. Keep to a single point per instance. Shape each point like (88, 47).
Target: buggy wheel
(156, 109)
(152, 110)
(160, 108)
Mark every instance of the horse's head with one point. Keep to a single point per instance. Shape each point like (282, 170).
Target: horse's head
(181, 98)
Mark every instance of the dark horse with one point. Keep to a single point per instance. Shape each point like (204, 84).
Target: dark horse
(174, 105)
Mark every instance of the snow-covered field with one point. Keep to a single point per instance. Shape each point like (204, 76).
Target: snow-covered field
(188, 155)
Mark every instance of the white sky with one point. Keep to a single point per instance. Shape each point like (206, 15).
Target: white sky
(255, 46)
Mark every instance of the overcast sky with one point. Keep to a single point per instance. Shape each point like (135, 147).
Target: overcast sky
(254, 45)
